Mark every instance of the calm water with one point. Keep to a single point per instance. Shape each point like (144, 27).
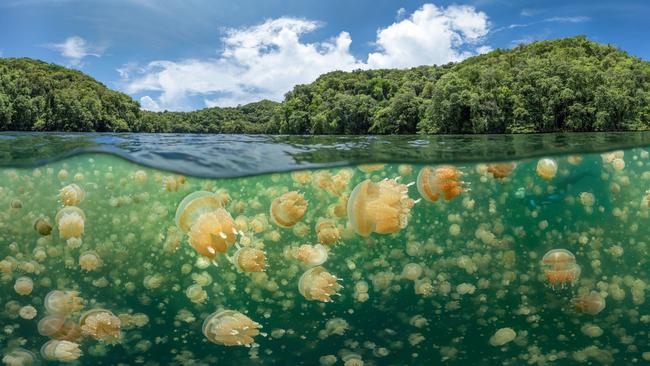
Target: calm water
(295, 254)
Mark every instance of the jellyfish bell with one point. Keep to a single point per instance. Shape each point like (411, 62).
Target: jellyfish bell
(43, 226)
(102, 325)
(288, 209)
(327, 231)
(230, 328)
(20, 357)
(248, 259)
(546, 168)
(382, 207)
(443, 181)
(193, 206)
(70, 221)
(212, 233)
(501, 170)
(63, 302)
(318, 284)
(60, 350)
(312, 255)
(591, 303)
(560, 267)
(72, 195)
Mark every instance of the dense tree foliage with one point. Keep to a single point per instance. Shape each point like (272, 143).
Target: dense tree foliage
(569, 84)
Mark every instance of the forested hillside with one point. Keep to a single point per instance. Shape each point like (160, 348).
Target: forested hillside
(569, 84)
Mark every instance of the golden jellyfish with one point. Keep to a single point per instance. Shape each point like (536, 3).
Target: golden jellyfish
(546, 168)
(193, 206)
(443, 181)
(101, 325)
(230, 328)
(369, 168)
(212, 233)
(318, 284)
(501, 170)
(23, 286)
(288, 209)
(382, 207)
(63, 302)
(327, 231)
(58, 327)
(591, 303)
(20, 357)
(43, 226)
(72, 195)
(70, 221)
(311, 255)
(560, 267)
(63, 351)
(89, 261)
(249, 259)
(28, 312)
(172, 183)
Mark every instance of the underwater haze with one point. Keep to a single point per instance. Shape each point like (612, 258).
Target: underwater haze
(124, 249)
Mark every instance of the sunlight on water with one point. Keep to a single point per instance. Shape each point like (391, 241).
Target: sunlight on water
(540, 262)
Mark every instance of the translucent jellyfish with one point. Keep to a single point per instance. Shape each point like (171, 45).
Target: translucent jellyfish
(230, 328)
(249, 259)
(382, 207)
(312, 255)
(63, 351)
(58, 327)
(591, 303)
(501, 170)
(560, 267)
(28, 312)
(502, 336)
(43, 226)
(196, 294)
(72, 195)
(212, 233)
(318, 284)
(193, 206)
(23, 286)
(101, 325)
(63, 302)
(89, 261)
(288, 209)
(327, 232)
(547, 168)
(70, 221)
(442, 181)
(20, 357)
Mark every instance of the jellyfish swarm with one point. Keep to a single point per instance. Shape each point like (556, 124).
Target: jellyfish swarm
(209, 226)
(249, 259)
(382, 207)
(102, 325)
(318, 284)
(591, 303)
(560, 267)
(434, 182)
(230, 328)
(288, 209)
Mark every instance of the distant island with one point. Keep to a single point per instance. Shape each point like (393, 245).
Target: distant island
(569, 84)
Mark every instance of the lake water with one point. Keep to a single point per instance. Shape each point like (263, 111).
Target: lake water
(121, 249)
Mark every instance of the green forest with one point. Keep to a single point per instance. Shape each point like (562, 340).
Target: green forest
(569, 84)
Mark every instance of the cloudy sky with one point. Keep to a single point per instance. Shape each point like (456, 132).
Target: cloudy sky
(190, 54)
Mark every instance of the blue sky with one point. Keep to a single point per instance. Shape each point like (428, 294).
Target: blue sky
(189, 54)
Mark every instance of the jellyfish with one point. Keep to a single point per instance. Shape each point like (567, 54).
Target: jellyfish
(501, 170)
(101, 325)
(249, 259)
(20, 357)
(212, 233)
(28, 312)
(560, 267)
(23, 286)
(43, 226)
(194, 205)
(434, 182)
(58, 327)
(311, 255)
(63, 302)
(318, 284)
(63, 351)
(89, 261)
(72, 195)
(591, 303)
(230, 328)
(327, 232)
(547, 168)
(502, 336)
(288, 209)
(71, 221)
(382, 207)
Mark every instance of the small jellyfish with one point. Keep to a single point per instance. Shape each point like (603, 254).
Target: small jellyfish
(382, 207)
(288, 209)
(560, 267)
(43, 226)
(318, 284)
(63, 351)
(327, 231)
(16, 204)
(20, 357)
(58, 327)
(502, 336)
(312, 255)
(249, 259)
(230, 328)
(591, 303)
(434, 182)
(194, 205)
(72, 195)
(23, 286)
(547, 168)
(63, 302)
(70, 221)
(28, 312)
(89, 261)
(101, 325)
(212, 233)
(501, 170)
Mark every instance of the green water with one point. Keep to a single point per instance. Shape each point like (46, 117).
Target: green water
(479, 255)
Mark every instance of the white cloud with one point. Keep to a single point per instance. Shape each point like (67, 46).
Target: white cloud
(75, 49)
(149, 104)
(574, 19)
(265, 61)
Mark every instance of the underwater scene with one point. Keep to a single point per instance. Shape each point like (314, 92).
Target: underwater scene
(533, 261)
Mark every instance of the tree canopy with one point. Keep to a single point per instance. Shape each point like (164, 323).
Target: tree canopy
(569, 84)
